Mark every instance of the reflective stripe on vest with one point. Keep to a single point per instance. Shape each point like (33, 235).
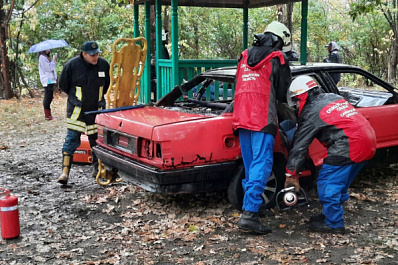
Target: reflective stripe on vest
(92, 129)
(76, 125)
(101, 91)
(78, 93)
(76, 113)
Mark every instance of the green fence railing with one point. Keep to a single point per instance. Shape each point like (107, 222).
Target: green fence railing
(187, 69)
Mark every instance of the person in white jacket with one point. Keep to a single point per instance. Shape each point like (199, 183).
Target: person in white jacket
(48, 77)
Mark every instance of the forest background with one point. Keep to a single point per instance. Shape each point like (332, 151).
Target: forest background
(366, 32)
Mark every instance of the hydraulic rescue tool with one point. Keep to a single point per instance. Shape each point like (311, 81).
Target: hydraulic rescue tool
(287, 198)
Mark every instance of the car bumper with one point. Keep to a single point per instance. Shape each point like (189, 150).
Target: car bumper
(210, 177)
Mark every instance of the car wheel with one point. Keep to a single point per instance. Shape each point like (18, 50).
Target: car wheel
(275, 183)
(235, 189)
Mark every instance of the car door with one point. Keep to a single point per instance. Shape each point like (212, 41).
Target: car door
(376, 100)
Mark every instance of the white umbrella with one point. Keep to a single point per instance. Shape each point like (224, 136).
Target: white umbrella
(48, 45)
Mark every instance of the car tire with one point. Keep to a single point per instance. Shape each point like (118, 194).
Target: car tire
(235, 189)
(275, 183)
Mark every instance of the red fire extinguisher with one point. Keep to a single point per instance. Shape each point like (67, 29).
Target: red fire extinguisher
(9, 215)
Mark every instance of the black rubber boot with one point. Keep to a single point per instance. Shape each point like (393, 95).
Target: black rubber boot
(250, 221)
(264, 212)
(317, 218)
(322, 227)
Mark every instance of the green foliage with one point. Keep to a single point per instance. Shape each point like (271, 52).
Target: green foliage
(364, 42)
(215, 33)
(204, 33)
(75, 21)
(380, 52)
(259, 18)
(319, 30)
(363, 7)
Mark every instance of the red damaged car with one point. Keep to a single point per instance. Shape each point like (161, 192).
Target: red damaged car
(185, 142)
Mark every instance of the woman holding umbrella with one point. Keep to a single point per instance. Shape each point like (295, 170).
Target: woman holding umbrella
(48, 77)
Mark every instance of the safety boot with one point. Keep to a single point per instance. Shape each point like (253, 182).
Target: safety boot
(66, 164)
(47, 114)
(317, 218)
(322, 227)
(250, 221)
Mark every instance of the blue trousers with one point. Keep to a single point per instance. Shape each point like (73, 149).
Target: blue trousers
(333, 183)
(257, 153)
(72, 141)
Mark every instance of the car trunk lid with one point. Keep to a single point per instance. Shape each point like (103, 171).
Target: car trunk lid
(141, 122)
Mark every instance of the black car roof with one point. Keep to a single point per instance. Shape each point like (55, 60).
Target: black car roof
(229, 73)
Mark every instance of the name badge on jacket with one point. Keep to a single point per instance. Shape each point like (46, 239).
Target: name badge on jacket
(101, 74)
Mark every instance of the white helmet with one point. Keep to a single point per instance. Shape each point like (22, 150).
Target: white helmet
(300, 85)
(281, 31)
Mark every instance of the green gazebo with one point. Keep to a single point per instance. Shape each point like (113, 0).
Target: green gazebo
(171, 72)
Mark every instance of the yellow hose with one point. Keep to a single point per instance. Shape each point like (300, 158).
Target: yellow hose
(104, 174)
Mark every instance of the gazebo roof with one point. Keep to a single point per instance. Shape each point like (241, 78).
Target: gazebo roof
(222, 3)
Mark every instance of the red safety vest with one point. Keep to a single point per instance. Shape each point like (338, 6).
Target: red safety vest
(255, 101)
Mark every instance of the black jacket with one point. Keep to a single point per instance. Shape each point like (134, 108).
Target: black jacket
(281, 75)
(256, 98)
(346, 133)
(334, 57)
(86, 85)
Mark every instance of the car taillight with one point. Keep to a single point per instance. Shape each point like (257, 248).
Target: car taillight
(158, 150)
(146, 148)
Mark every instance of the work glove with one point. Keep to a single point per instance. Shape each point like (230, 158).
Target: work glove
(292, 180)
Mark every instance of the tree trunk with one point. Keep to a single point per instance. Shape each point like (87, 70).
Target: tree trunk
(153, 29)
(289, 16)
(5, 62)
(392, 63)
(285, 15)
(196, 40)
(31, 94)
(166, 18)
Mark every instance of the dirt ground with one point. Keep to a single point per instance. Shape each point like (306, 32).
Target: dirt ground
(85, 223)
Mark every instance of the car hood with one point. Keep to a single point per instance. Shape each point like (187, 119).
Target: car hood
(141, 121)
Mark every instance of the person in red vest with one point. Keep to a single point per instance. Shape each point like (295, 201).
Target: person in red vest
(262, 79)
(350, 141)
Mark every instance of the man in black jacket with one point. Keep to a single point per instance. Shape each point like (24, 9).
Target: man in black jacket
(334, 57)
(86, 80)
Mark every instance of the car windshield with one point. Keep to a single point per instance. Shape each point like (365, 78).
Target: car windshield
(210, 92)
(362, 91)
